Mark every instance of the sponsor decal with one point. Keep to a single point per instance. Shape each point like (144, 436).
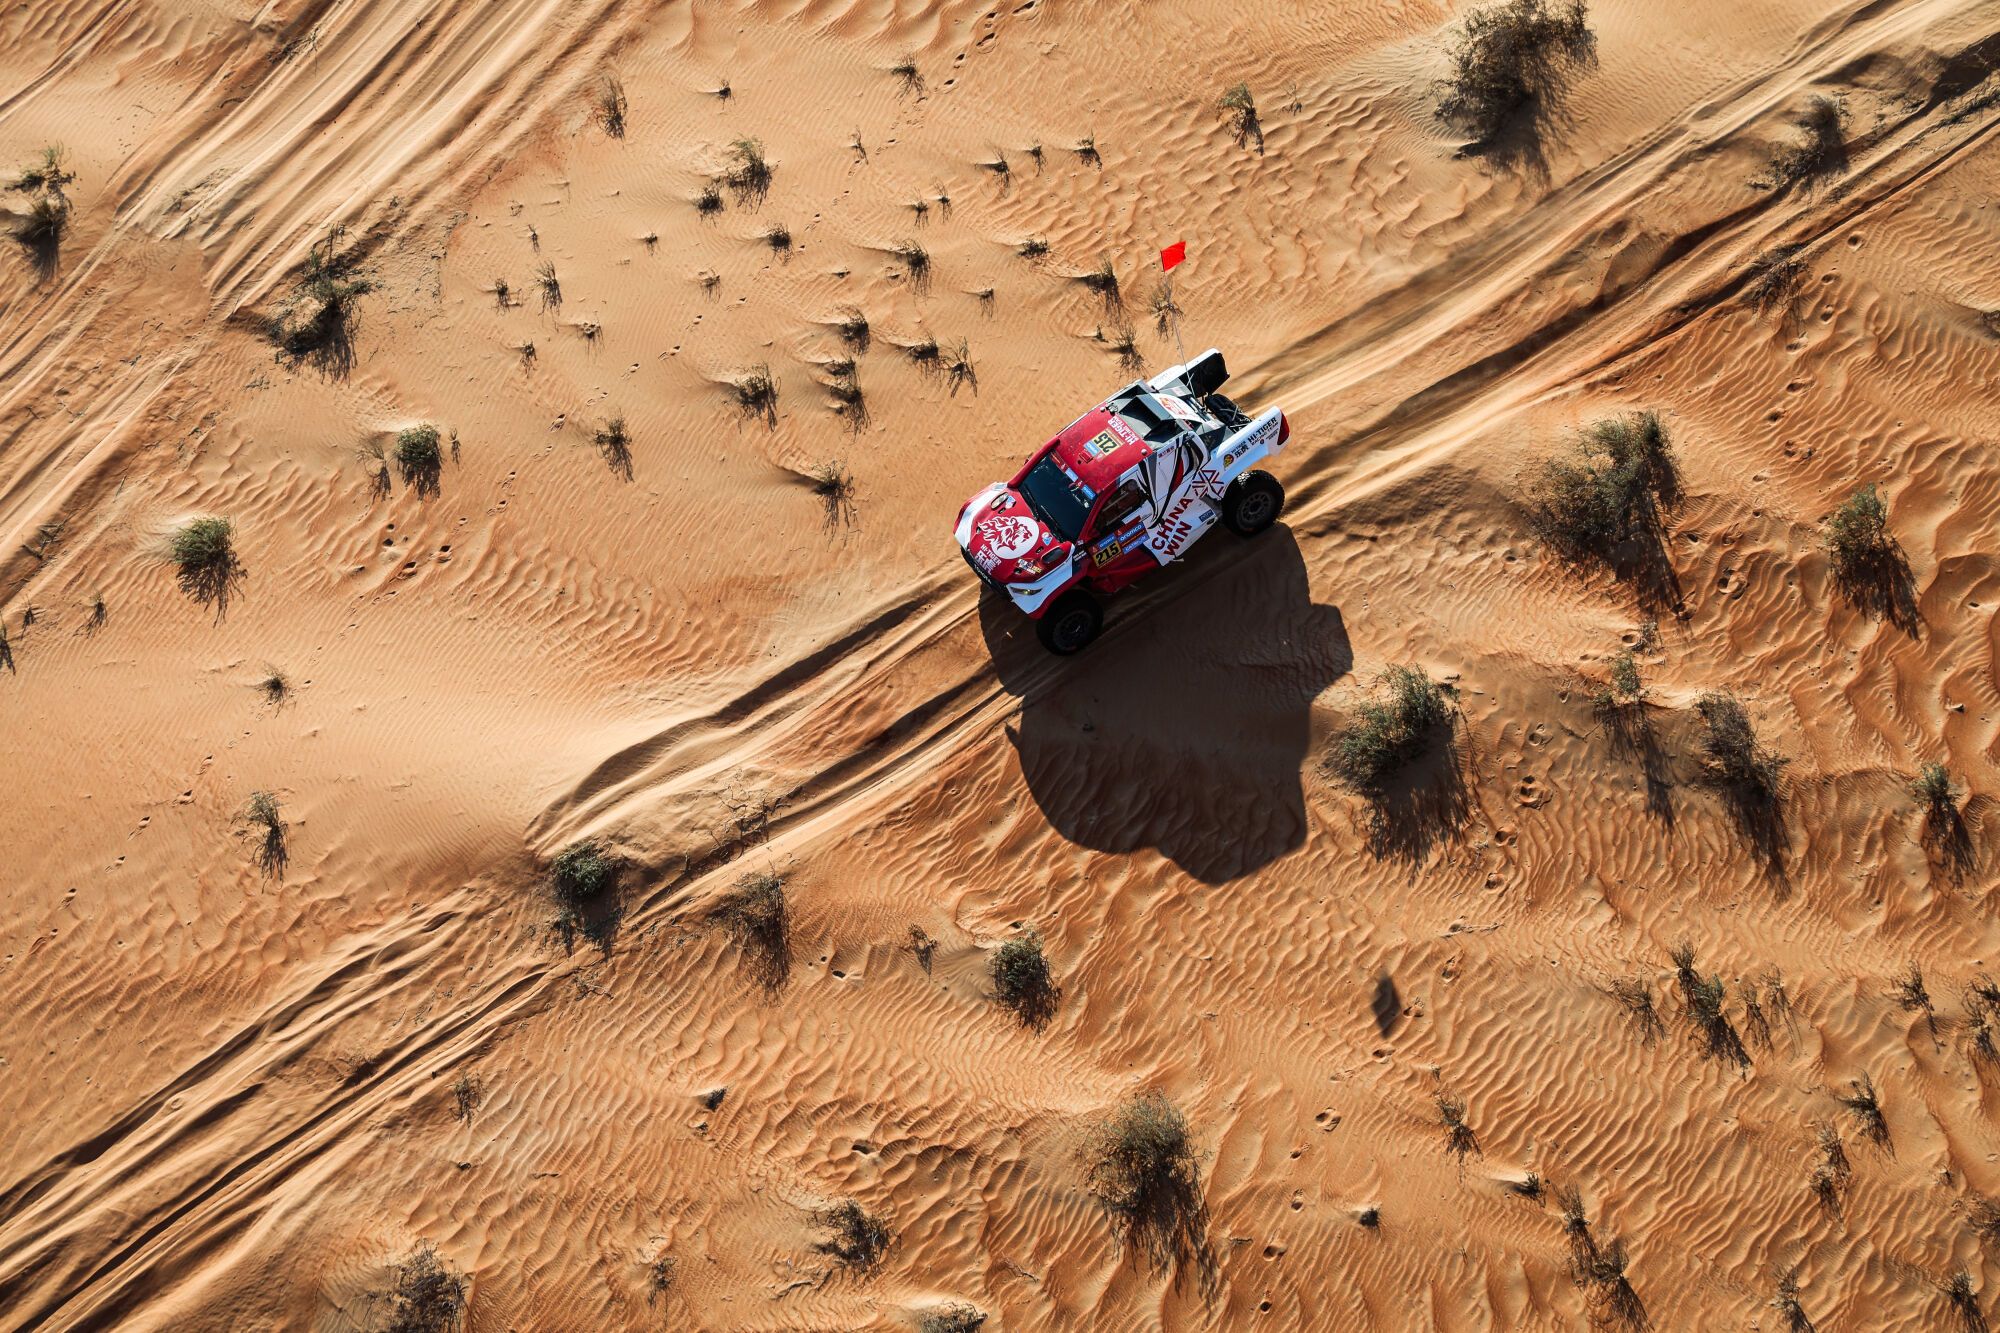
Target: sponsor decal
(1008, 538)
(1125, 432)
(1117, 544)
(986, 561)
(1176, 528)
(1099, 445)
(1005, 502)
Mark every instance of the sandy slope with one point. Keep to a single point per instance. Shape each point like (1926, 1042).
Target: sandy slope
(228, 1095)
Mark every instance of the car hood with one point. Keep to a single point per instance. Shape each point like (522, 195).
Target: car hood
(1002, 538)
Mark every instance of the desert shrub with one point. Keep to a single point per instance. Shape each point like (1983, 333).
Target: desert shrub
(849, 400)
(1963, 1302)
(1786, 1303)
(1825, 1189)
(779, 237)
(916, 261)
(834, 485)
(1530, 1186)
(1720, 1041)
(275, 685)
(1730, 751)
(1143, 1170)
(48, 171)
(759, 920)
(1983, 1216)
(610, 105)
(1511, 69)
(1021, 979)
(1624, 687)
(748, 175)
(1239, 109)
(1035, 153)
(616, 446)
(1776, 278)
(1865, 1105)
(419, 458)
(204, 555)
(1857, 533)
(709, 202)
(1820, 152)
(267, 827)
(1935, 790)
(756, 394)
(1002, 170)
(1620, 1306)
(99, 613)
(1635, 997)
(958, 369)
(958, 1317)
(1124, 344)
(859, 1238)
(1086, 151)
(852, 326)
(1459, 1140)
(1610, 488)
(549, 285)
(1913, 995)
(660, 1277)
(923, 946)
(1165, 309)
(41, 229)
(1103, 282)
(1034, 247)
(316, 323)
(1389, 732)
(465, 1095)
(428, 1297)
(1576, 1229)
(925, 353)
(909, 78)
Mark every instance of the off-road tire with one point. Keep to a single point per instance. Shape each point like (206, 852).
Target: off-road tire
(1252, 503)
(1070, 623)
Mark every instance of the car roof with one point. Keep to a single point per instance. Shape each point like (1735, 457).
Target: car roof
(1104, 443)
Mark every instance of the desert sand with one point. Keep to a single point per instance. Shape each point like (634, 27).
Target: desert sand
(241, 1091)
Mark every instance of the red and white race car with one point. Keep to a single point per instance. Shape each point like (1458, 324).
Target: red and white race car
(1127, 487)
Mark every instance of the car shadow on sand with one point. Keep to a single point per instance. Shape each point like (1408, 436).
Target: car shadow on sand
(1185, 728)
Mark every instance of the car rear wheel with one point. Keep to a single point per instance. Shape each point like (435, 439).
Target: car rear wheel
(1252, 503)
(1069, 625)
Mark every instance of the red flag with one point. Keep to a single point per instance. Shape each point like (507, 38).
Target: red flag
(1172, 255)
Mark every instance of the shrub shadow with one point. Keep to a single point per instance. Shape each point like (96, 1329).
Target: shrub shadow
(213, 582)
(1186, 728)
(1424, 803)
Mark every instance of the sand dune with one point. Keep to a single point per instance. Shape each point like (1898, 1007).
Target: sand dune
(243, 1091)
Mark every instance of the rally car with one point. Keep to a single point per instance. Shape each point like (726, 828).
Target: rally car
(1127, 487)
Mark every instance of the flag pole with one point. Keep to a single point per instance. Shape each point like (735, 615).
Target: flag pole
(1171, 258)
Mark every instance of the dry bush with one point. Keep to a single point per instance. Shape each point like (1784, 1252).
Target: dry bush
(909, 78)
(609, 103)
(49, 171)
(709, 202)
(1786, 1303)
(1576, 1229)
(852, 326)
(779, 237)
(267, 826)
(1022, 982)
(428, 1296)
(758, 918)
(1124, 344)
(1730, 751)
(616, 445)
(40, 232)
(756, 394)
(1034, 247)
(1143, 1170)
(1821, 152)
(1619, 1305)
(1963, 1302)
(1511, 70)
(1165, 309)
(1086, 152)
(549, 285)
(583, 880)
(465, 1095)
(958, 1317)
(1459, 1140)
(848, 399)
(1857, 533)
(1103, 282)
(1914, 996)
(1865, 1105)
(1635, 997)
(1776, 279)
(748, 174)
(275, 685)
(958, 368)
(859, 1237)
(916, 262)
(834, 485)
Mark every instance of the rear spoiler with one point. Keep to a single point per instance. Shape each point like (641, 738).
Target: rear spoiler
(1202, 376)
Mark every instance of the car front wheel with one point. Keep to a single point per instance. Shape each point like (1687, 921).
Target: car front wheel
(1252, 503)
(1070, 625)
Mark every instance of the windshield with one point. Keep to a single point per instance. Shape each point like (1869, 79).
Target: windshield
(1054, 498)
